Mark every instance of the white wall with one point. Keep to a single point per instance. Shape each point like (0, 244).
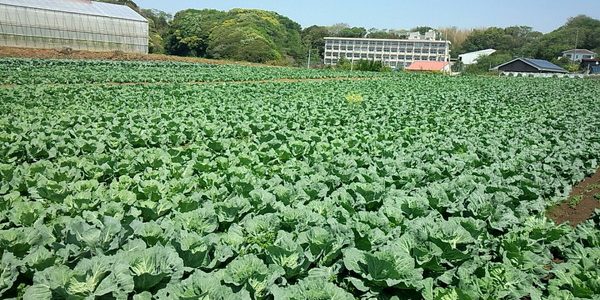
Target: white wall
(472, 57)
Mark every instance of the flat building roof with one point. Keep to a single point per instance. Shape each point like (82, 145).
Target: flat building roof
(385, 40)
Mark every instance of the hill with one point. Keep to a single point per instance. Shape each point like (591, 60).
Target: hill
(239, 34)
(579, 32)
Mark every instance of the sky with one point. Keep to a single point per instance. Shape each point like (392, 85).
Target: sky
(542, 15)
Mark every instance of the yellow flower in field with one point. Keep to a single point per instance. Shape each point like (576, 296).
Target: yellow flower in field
(354, 98)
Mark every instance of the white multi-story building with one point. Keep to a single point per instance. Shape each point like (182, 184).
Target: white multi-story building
(394, 53)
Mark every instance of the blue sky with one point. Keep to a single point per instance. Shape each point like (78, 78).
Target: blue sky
(542, 15)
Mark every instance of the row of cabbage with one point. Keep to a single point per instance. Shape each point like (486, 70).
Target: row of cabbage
(427, 187)
(32, 71)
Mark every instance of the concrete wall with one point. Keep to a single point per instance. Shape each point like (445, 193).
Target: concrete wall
(541, 75)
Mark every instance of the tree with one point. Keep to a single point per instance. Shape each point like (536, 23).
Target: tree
(190, 30)
(240, 34)
(567, 64)
(362, 65)
(335, 29)
(421, 29)
(384, 34)
(158, 27)
(579, 32)
(354, 32)
(456, 37)
(493, 37)
(241, 43)
(313, 37)
(515, 40)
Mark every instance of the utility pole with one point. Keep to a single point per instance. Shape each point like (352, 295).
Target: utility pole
(308, 63)
(576, 39)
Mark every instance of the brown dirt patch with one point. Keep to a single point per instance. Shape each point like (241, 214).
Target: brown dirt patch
(580, 206)
(115, 55)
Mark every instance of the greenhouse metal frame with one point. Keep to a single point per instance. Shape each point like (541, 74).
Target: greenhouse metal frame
(75, 24)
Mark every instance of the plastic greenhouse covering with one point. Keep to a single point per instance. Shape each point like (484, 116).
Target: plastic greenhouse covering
(76, 24)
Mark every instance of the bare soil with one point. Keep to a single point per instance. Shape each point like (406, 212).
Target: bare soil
(580, 206)
(114, 55)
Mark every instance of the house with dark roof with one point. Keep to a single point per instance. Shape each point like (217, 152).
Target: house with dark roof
(579, 54)
(587, 63)
(529, 65)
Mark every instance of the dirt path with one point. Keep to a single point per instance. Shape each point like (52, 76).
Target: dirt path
(114, 55)
(580, 206)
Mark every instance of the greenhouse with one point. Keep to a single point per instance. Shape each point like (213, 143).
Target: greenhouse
(75, 24)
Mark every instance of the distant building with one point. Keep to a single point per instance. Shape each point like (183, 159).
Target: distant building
(430, 66)
(529, 65)
(472, 57)
(394, 53)
(430, 35)
(587, 63)
(579, 54)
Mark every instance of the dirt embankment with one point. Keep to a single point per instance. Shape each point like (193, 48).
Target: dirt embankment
(115, 55)
(580, 206)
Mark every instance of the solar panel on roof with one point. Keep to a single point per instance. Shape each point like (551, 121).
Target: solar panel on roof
(81, 7)
(544, 64)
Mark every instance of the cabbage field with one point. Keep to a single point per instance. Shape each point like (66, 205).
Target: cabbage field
(396, 186)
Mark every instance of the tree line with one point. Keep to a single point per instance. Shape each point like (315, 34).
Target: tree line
(268, 37)
(580, 32)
